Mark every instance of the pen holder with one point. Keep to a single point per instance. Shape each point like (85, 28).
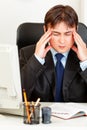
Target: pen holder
(31, 114)
(46, 115)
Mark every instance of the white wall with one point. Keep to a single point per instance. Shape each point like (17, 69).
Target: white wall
(14, 12)
(84, 11)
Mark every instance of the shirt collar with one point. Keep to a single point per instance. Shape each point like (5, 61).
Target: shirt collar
(54, 53)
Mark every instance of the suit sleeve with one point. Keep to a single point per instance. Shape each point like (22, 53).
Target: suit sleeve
(30, 70)
(84, 75)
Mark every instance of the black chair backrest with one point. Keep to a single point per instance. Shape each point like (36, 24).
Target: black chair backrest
(30, 33)
(82, 30)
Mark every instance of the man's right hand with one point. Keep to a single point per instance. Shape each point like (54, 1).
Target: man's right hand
(41, 48)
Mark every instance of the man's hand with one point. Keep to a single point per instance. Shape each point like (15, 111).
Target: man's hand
(81, 49)
(41, 48)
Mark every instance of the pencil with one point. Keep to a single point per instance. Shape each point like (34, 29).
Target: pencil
(27, 106)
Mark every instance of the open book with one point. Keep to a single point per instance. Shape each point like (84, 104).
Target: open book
(69, 110)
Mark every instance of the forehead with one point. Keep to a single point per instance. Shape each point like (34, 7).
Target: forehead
(62, 27)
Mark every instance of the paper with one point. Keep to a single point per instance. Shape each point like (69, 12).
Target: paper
(68, 110)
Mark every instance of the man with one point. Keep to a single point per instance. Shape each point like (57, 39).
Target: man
(37, 63)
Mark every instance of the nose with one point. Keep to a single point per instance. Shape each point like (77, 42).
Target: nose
(62, 39)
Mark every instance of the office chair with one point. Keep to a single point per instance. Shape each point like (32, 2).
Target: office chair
(30, 33)
(82, 30)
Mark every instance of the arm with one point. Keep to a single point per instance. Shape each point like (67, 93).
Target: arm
(81, 51)
(30, 66)
(30, 69)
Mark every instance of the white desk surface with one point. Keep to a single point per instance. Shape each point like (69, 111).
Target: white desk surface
(12, 122)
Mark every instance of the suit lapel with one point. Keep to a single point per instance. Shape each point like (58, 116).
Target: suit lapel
(50, 69)
(71, 68)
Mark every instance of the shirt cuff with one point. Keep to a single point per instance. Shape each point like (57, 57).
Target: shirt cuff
(42, 61)
(83, 65)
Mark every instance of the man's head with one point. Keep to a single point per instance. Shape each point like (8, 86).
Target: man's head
(62, 21)
(61, 13)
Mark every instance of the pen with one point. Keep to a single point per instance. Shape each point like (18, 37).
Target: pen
(27, 105)
(37, 101)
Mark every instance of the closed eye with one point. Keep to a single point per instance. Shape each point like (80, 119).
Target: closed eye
(68, 33)
(55, 33)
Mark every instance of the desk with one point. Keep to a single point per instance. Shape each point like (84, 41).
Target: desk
(16, 122)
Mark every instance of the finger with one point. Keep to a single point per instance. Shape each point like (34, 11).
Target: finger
(78, 39)
(46, 36)
(44, 39)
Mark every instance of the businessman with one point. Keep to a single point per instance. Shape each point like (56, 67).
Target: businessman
(38, 62)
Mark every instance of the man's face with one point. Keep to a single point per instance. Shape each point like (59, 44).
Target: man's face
(62, 37)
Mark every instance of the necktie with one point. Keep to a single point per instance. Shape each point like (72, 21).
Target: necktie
(59, 78)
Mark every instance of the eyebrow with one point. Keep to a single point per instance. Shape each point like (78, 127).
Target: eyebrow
(59, 32)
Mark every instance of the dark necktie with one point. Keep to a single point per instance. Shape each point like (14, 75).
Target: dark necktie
(59, 78)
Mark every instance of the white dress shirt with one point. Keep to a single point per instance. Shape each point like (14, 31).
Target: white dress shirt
(83, 64)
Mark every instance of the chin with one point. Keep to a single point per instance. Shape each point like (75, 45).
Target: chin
(63, 50)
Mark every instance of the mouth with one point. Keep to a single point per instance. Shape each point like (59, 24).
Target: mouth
(62, 47)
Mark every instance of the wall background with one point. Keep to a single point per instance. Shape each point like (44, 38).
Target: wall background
(15, 12)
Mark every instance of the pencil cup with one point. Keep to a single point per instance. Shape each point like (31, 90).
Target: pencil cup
(31, 114)
(46, 115)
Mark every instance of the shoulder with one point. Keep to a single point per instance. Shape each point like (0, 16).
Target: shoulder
(28, 49)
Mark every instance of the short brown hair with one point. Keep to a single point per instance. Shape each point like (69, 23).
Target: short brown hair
(61, 13)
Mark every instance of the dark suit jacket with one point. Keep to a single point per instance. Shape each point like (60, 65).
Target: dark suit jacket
(39, 80)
